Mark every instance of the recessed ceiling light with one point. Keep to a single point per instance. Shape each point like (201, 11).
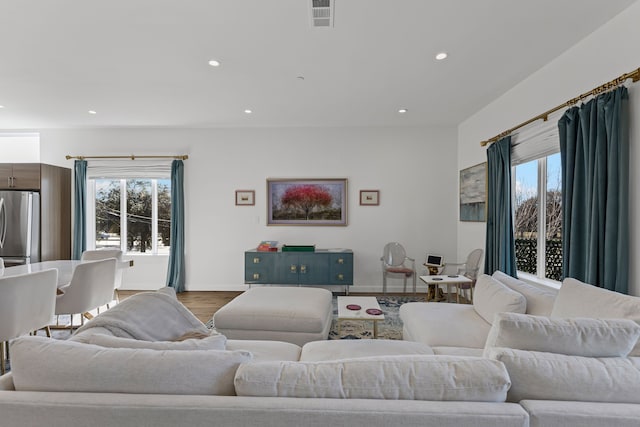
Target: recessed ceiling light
(92, 112)
(214, 63)
(441, 56)
(300, 77)
(248, 111)
(402, 110)
(1, 106)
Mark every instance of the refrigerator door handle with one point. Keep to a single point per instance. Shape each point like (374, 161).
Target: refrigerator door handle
(3, 222)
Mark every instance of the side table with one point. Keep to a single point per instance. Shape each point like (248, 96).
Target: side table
(454, 279)
(365, 303)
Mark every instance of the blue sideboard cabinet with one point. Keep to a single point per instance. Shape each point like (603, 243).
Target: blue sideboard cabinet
(322, 267)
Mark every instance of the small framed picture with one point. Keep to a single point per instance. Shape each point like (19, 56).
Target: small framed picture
(245, 197)
(369, 197)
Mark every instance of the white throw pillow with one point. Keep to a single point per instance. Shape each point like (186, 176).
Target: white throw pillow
(577, 337)
(213, 342)
(43, 364)
(578, 299)
(385, 377)
(491, 297)
(539, 301)
(547, 376)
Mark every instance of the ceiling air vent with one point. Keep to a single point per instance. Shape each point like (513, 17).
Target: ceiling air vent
(322, 13)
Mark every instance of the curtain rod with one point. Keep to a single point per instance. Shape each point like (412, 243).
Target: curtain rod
(635, 75)
(132, 157)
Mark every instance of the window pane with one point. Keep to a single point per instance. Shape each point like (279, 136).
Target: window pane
(164, 215)
(553, 239)
(107, 213)
(526, 217)
(139, 204)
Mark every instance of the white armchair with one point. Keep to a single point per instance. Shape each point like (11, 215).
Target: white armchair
(91, 286)
(27, 304)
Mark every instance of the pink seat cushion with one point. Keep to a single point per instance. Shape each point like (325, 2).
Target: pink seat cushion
(403, 270)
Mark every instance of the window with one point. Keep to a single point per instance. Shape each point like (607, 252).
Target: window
(138, 208)
(538, 232)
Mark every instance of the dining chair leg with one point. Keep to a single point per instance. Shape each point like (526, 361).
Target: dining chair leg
(2, 362)
(384, 283)
(404, 289)
(457, 293)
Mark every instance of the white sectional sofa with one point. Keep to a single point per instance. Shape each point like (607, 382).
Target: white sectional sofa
(552, 350)
(124, 368)
(462, 329)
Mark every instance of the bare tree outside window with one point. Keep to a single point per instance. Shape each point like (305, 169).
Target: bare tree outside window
(527, 202)
(139, 201)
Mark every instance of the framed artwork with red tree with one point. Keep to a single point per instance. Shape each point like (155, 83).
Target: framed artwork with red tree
(307, 201)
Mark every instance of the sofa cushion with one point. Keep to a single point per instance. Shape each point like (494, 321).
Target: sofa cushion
(548, 376)
(263, 351)
(491, 297)
(316, 351)
(386, 377)
(581, 414)
(212, 342)
(539, 301)
(578, 299)
(458, 351)
(43, 364)
(439, 324)
(578, 336)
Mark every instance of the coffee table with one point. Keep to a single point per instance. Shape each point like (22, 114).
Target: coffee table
(443, 279)
(365, 303)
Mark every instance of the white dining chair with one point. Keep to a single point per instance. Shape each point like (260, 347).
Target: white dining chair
(91, 286)
(99, 254)
(27, 303)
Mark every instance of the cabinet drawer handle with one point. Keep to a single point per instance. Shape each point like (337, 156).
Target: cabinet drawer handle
(303, 269)
(256, 260)
(256, 276)
(340, 276)
(340, 261)
(294, 268)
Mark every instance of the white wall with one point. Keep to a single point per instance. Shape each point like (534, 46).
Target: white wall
(19, 147)
(415, 170)
(604, 55)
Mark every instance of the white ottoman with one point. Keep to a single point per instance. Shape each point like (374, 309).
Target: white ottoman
(295, 315)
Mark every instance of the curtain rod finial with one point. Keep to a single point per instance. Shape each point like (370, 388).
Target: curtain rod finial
(68, 157)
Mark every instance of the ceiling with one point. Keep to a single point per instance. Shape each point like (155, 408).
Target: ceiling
(140, 63)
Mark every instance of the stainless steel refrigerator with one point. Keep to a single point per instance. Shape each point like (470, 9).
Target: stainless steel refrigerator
(19, 227)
